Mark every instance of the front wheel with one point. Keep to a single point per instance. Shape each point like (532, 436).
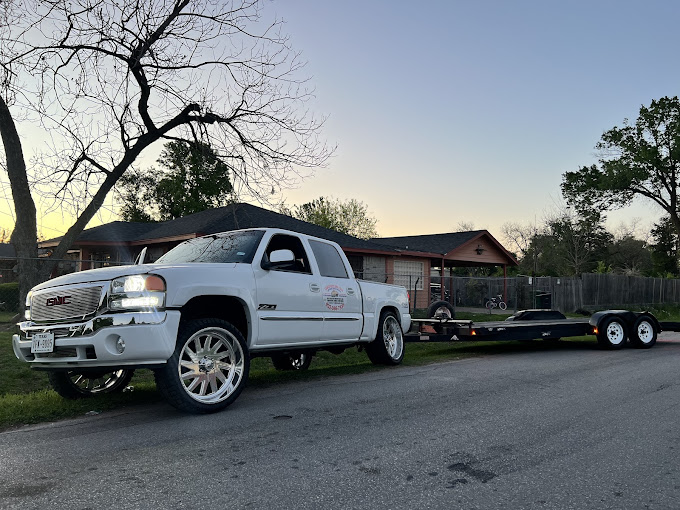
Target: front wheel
(208, 369)
(73, 384)
(502, 305)
(388, 346)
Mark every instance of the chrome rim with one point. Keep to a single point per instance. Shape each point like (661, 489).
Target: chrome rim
(615, 333)
(645, 332)
(393, 338)
(100, 382)
(442, 313)
(211, 365)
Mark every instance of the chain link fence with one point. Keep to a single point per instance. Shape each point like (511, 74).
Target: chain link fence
(567, 294)
(589, 292)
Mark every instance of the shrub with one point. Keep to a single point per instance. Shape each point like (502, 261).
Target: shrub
(9, 296)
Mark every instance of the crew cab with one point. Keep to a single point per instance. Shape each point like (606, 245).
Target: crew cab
(200, 312)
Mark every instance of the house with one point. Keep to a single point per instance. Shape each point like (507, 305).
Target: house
(402, 260)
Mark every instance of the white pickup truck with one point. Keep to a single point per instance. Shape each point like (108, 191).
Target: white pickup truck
(199, 314)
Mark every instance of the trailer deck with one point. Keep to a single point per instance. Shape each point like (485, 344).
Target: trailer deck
(442, 330)
(612, 328)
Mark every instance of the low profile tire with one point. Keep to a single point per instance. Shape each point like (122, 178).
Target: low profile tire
(644, 333)
(612, 333)
(73, 384)
(388, 347)
(292, 361)
(208, 369)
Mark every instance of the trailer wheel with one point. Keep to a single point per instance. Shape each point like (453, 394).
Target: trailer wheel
(644, 333)
(388, 346)
(612, 333)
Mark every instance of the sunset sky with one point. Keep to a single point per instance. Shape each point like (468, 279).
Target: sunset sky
(466, 111)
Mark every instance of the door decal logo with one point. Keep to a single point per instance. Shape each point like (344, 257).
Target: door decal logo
(334, 297)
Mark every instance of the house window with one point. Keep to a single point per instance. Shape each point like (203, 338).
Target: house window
(409, 273)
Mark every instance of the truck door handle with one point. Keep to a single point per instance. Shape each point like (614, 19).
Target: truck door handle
(314, 287)
(350, 291)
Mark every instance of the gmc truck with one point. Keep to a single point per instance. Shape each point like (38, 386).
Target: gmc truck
(200, 312)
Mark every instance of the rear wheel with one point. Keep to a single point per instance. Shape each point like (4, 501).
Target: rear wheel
(292, 361)
(73, 384)
(208, 369)
(612, 333)
(644, 333)
(502, 305)
(388, 347)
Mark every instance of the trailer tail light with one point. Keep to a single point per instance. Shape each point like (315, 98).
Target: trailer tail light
(473, 333)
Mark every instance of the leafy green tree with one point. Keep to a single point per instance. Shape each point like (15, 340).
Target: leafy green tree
(193, 179)
(349, 217)
(566, 245)
(638, 160)
(665, 248)
(630, 256)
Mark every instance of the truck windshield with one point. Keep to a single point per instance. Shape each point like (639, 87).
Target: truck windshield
(221, 248)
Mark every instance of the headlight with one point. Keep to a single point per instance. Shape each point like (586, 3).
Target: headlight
(27, 308)
(137, 292)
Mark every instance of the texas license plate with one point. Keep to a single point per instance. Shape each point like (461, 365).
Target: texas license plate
(42, 342)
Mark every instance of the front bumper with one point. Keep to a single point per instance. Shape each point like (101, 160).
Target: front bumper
(149, 340)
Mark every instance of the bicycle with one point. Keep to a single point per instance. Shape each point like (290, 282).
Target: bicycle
(496, 302)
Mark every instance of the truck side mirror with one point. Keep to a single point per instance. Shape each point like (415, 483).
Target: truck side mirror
(277, 259)
(141, 257)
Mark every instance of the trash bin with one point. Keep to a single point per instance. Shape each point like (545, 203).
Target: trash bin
(543, 300)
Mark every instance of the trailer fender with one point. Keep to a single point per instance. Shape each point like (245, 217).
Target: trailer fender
(628, 318)
(641, 328)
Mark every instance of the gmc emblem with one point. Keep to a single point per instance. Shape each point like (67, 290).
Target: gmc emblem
(60, 300)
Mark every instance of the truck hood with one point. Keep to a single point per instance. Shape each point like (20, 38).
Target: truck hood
(109, 273)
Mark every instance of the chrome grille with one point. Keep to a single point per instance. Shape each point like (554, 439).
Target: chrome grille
(65, 303)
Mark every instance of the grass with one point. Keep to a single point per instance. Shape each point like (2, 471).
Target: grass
(26, 397)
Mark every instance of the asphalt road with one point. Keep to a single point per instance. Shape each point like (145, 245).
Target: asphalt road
(565, 427)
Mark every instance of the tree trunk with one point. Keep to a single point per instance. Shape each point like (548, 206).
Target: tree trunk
(25, 236)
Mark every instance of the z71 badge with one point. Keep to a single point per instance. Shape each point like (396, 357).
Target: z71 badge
(266, 307)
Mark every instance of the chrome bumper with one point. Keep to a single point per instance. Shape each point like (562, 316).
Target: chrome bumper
(149, 338)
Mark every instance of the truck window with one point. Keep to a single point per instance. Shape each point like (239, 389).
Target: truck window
(292, 243)
(329, 260)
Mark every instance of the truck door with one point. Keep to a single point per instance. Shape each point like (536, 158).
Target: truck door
(343, 319)
(289, 305)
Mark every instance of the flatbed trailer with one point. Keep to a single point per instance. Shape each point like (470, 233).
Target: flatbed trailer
(612, 328)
